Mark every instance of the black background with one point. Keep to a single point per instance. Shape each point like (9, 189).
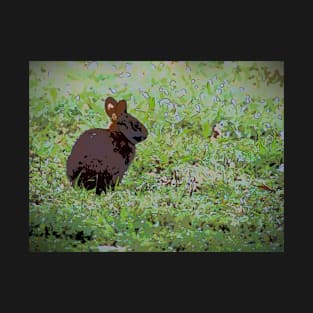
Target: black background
(152, 31)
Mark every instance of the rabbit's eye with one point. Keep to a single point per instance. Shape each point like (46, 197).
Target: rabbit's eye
(135, 125)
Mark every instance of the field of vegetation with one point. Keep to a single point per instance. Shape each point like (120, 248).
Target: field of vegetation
(184, 191)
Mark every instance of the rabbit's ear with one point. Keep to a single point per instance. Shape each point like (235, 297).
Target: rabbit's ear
(121, 107)
(110, 106)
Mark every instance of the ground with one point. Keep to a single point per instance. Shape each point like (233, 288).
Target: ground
(184, 191)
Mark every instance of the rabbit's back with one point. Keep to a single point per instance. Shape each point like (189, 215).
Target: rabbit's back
(99, 157)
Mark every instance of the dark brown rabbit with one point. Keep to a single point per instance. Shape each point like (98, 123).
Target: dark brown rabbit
(100, 157)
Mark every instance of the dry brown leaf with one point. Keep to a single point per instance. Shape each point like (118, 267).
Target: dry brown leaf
(216, 132)
(265, 187)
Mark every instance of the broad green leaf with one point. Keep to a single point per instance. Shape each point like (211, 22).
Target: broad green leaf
(151, 104)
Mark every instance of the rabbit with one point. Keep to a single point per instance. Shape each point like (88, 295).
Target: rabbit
(100, 157)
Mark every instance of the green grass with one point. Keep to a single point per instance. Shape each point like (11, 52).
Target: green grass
(183, 192)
